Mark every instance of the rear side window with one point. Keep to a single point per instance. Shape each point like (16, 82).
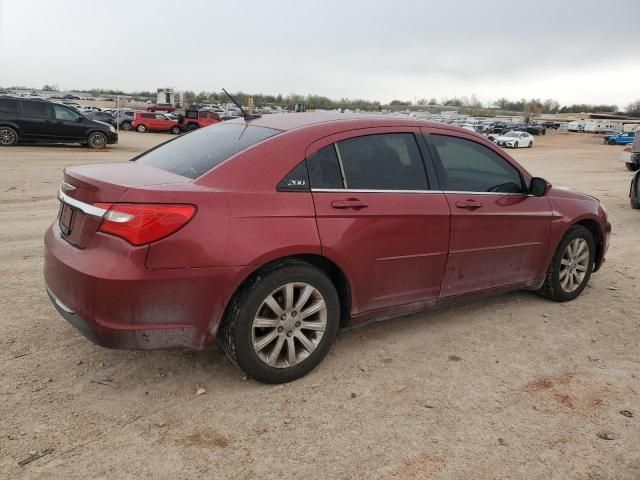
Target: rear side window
(36, 109)
(390, 161)
(470, 167)
(9, 105)
(148, 115)
(324, 169)
(196, 153)
(202, 114)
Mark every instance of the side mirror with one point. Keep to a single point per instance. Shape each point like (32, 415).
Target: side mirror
(80, 119)
(538, 187)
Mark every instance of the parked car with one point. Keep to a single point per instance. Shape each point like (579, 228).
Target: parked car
(631, 154)
(161, 107)
(619, 139)
(194, 119)
(536, 129)
(105, 117)
(123, 119)
(43, 121)
(272, 233)
(551, 125)
(154, 122)
(502, 127)
(515, 139)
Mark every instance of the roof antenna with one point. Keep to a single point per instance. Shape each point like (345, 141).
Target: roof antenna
(246, 115)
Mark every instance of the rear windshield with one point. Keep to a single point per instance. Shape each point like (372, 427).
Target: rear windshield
(197, 152)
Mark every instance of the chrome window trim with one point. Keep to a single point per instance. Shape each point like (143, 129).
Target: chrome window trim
(86, 208)
(364, 190)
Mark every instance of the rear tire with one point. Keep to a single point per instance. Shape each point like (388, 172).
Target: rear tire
(515, 145)
(141, 128)
(293, 347)
(175, 130)
(632, 167)
(612, 142)
(8, 137)
(570, 270)
(97, 140)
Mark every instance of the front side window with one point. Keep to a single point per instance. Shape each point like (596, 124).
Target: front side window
(36, 109)
(63, 113)
(470, 167)
(203, 149)
(202, 114)
(390, 161)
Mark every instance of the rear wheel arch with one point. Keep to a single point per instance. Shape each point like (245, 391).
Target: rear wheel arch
(329, 268)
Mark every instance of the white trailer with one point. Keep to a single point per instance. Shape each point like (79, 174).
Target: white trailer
(576, 126)
(602, 126)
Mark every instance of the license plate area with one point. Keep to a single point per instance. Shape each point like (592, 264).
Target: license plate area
(65, 218)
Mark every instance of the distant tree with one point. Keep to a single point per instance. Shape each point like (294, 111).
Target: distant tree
(433, 101)
(634, 108)
(452, 102)
(551, 106)
(399, 103)
(421, 102)
(50, 88)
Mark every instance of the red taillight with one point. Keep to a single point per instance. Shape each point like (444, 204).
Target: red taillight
(140, 224)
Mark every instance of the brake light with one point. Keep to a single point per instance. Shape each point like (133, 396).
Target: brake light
(140, 224)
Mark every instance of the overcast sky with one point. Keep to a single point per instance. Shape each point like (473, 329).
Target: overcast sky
(571, 50)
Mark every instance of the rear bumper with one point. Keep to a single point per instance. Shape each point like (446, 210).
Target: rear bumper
(106, 293)
(112, 138)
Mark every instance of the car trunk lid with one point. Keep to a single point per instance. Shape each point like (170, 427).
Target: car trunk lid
(85, 186)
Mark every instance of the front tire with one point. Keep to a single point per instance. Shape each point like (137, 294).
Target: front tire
(97, 140)
(175, 130)
(530, 145)
(192, 127)
(126, 126)
(282, 323)
(612, 142)
(515, 145)
(632, 167)
(141, 128)
(571, 266)
(8, 137)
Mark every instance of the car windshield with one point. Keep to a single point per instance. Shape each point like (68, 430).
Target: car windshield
(512, 135)
(196, 153)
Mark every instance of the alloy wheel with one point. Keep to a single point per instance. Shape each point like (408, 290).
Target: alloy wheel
(7, 136)
(574, 264)
(97, 140)
(289, 325)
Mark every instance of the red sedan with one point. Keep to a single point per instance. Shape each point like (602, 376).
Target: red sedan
(154, 122)
(271, 233)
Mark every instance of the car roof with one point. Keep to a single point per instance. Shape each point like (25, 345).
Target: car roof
(295, 121)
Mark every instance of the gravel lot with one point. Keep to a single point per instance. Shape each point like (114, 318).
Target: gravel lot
(510, 387)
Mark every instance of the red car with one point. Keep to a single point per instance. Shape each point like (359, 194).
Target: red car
(154, 122)
(270, 234)
(194, 119)
(161, 107)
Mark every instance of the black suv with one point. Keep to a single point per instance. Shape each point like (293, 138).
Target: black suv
(26, 120)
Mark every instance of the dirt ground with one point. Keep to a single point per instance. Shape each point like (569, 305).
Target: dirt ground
(512, 387)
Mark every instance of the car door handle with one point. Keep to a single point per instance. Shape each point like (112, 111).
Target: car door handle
(350, 203)
(469, 204)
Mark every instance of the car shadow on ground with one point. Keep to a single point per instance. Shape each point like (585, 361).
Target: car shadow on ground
(191, 367)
